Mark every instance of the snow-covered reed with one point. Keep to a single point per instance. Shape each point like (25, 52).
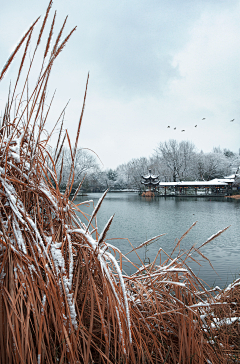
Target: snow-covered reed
(63, 295)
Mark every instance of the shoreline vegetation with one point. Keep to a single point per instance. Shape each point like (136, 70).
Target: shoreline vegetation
(236, 197)
(64, 297)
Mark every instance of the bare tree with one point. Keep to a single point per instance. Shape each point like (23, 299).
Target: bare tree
(84, 163)
(176, 157)
(135, 168)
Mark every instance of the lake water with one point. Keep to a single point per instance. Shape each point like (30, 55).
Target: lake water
(138, 219)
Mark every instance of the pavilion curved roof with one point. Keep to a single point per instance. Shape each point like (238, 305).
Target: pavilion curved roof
(152, 176)
(155, 183)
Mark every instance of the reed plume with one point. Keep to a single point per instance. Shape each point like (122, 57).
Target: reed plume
(10, 59)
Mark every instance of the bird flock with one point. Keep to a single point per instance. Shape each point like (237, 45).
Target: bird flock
(194, 126)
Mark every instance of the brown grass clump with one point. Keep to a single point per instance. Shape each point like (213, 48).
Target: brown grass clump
(224, 320)
(236, 197)
(63, 296)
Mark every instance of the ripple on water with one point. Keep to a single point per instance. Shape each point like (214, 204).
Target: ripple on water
(139, 219)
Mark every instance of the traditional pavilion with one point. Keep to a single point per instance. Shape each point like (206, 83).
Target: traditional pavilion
(150, 181)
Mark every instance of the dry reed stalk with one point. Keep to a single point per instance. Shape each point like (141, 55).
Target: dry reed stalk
(44, 22)
(149, 241)
(50, 36)
(63, 297)
(68, 190)
(10, 59)
(22, 63)
(105, 230)
(78, 188)
(59, 37)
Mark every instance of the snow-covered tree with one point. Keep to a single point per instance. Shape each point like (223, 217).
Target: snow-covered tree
(85, 162)
(211, 165)
(135, 169)
(175, 158)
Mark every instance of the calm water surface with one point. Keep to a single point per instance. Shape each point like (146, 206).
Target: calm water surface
(138, 219)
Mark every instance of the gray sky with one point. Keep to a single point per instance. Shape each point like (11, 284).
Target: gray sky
(152, 64)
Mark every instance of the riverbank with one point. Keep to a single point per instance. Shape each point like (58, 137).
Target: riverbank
(236, 197)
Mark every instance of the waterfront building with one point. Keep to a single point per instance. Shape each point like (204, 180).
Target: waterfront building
(150, 181)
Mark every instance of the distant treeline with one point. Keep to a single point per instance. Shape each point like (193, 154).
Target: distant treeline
(171, 160)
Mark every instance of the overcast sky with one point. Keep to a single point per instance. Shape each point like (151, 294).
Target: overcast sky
(152, 64)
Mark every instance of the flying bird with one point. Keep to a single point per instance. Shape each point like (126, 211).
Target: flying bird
(168, 126)
(183, 130)
(195, 126)
(175, 128)
(232, 120)
(203, 118)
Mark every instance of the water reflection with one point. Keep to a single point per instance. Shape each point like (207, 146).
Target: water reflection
(139, 219)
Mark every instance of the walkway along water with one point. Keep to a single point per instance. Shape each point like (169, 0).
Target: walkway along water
(215, 187)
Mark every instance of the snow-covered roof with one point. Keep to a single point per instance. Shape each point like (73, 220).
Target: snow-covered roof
(168, 184)
(231, 176)
(214, 182)
(150, 183)
(223, 180)
(150, 176)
